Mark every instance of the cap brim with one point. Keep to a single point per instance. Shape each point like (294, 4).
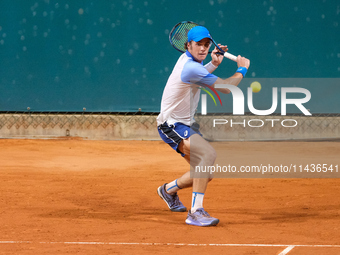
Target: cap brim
(199, 38)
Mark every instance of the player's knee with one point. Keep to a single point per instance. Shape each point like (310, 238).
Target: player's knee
(214, 154)
(210, 156)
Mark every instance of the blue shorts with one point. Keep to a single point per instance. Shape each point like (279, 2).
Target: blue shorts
(174, 134)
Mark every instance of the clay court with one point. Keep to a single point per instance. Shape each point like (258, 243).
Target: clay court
(72, 196)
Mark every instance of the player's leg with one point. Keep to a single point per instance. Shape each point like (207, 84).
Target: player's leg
(172, 135)
(198, 153)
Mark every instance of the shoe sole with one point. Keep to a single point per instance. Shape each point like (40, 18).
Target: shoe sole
(213, 223)
(161, 196)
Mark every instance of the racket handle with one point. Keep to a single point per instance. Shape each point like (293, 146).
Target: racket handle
(230, 56)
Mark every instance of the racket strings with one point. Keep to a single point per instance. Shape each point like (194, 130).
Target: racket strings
(180, 35)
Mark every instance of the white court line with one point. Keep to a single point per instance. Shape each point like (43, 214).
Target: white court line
(176, 244)
(288, 249)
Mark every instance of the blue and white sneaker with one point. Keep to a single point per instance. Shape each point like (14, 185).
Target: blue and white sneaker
(201, 218)
(171, 200)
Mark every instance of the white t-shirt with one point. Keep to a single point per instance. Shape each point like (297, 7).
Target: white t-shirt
(181, 93)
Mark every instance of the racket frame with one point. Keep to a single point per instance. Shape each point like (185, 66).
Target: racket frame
(222, 52)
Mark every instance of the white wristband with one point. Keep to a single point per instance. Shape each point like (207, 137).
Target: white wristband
(210, 67)
(213, 65)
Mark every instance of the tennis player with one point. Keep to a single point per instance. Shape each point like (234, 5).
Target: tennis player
(176, 124)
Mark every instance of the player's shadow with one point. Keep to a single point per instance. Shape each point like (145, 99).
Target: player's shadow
(107, 208)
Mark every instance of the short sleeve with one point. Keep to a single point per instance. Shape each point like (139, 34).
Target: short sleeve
(194, 72)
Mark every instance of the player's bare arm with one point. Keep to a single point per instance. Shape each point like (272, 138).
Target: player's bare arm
(236, 78)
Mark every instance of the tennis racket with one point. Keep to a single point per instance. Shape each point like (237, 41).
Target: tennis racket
(178, 37)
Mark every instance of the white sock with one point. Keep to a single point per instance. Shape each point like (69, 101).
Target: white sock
(172, 187)
(197, 201)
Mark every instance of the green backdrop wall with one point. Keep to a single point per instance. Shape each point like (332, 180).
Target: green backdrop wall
(112, 56)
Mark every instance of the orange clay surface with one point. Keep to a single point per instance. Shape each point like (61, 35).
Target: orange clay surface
(99, 197)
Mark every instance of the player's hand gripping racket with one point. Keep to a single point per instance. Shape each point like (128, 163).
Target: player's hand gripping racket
(179, 36)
